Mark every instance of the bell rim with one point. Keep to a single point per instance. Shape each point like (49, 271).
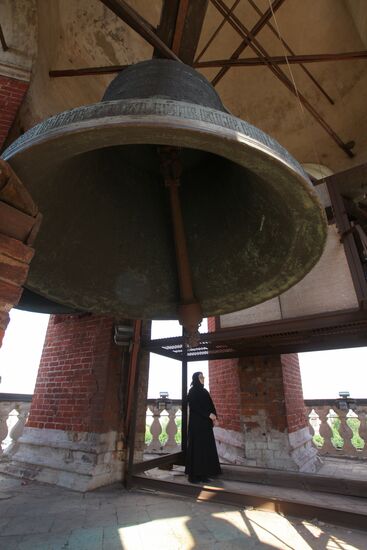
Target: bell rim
(142, 124)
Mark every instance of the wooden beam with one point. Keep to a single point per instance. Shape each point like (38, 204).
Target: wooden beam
(251, 35)
(289, 50)
(139, 25)
(166, 27)
(110, 69)
(282, 60)
(191, 28)
(262, 54)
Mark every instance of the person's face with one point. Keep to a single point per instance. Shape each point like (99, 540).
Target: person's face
(201, 378)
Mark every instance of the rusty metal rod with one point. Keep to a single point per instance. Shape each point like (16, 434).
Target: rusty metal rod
(225, 19)
(2, 40)
(189, 310)
(139, 25)
(241, 62)
(251, 34)
(289, 49)
(109, 69)
(262, 53)
(281, 60)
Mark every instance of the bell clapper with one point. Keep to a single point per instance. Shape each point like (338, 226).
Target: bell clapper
(189, 311)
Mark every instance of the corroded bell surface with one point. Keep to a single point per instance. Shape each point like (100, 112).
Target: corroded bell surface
(253, 224)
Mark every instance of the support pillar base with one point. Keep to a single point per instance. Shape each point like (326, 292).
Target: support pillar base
(81, 461)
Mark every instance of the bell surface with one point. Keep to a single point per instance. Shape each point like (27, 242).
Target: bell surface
(254, 226)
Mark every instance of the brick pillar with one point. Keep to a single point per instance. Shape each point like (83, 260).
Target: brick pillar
(15, 247)
(261, 411)
(19, 223)
(275, 427)
(74, 429)
(12, 92)
(225, 391)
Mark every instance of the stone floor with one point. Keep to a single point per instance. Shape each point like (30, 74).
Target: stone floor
(35, 516)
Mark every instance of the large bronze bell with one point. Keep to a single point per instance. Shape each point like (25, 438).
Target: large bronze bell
(253, 224)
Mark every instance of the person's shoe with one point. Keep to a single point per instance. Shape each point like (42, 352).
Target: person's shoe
(206, 479)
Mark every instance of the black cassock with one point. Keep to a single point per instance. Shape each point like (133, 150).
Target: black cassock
(202, 457)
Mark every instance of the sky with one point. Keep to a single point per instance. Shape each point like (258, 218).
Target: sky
(324, 374)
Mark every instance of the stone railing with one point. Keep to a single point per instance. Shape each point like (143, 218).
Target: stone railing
(163, 426)
(339, 426)
(14, 409)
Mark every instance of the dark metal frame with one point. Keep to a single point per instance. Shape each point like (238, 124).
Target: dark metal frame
(166, 460)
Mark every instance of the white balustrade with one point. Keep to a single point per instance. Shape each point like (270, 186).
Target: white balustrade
(338, 430)
(162, 426)
(14, 410)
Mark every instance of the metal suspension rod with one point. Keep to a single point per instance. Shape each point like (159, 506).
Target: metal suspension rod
(189, 311)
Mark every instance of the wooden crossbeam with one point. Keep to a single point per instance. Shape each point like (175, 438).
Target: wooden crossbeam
(140, 25)
(282, 60)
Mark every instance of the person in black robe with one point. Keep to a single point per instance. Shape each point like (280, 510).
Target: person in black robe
(201, 457)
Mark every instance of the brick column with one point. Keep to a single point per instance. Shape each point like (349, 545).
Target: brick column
(19, 223)
(275, 426)
(261, 410)
(225, 391)
(12, 92)
(74, 430)
(15, 248)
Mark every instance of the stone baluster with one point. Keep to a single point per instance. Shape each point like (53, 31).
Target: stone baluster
(346, 433)
(17, 430)
(362, 415)
(314, 422)
(325, 432)
(171, 430)
(5, 409)
(155, 430)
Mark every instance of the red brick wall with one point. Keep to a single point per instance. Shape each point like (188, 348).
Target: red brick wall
(225, 392)
(14, 264)
(225, 389)
(261, 383)
(293, 394)
(12, 92)
(14, 255)
(78, 381)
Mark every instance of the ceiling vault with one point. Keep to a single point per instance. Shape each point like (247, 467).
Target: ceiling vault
(177, 37)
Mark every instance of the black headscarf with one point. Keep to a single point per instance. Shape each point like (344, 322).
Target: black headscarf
(195, 383)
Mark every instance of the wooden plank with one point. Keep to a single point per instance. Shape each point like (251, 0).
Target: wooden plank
(335, 509)
(174, 458)
(295, 480)
(282, 60)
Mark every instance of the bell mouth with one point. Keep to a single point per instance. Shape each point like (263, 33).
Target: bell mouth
(254, 224)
